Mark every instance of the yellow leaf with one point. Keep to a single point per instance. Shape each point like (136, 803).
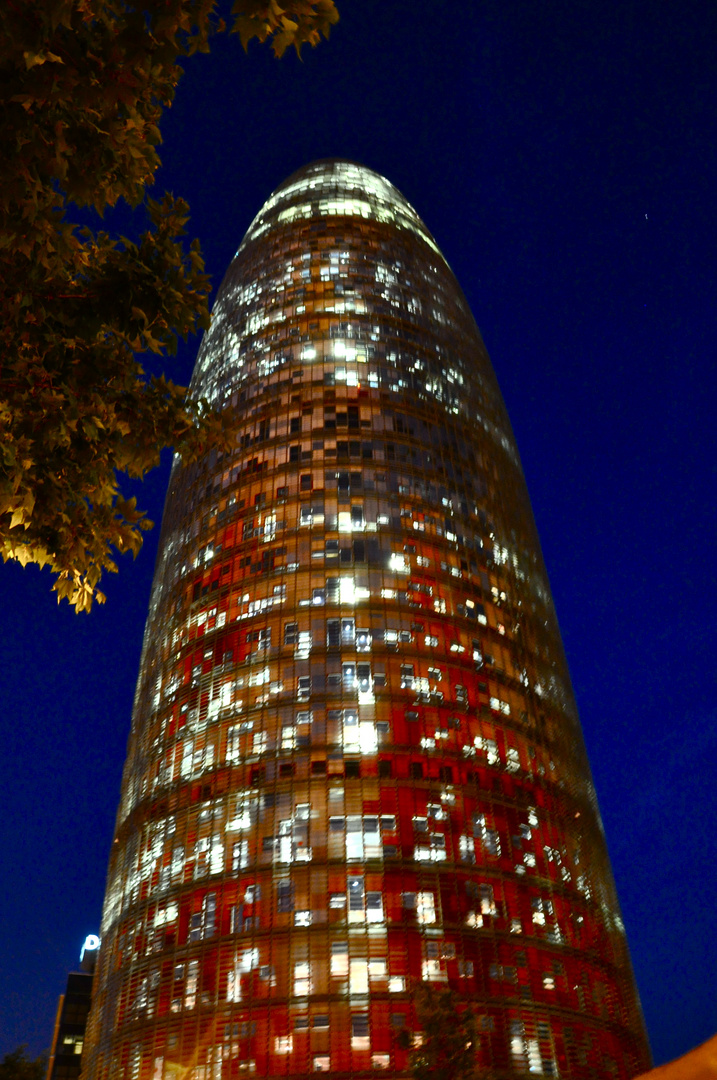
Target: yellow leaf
(23, 555)
(33, 59)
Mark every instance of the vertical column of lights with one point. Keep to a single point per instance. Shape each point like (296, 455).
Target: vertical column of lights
(355, 763)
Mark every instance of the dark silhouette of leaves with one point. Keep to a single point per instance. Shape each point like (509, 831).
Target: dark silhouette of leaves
(83, 84)
(18, 1066)
(445, 1046)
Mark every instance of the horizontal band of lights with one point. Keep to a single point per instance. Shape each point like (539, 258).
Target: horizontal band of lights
(338, 188)
(355, 765)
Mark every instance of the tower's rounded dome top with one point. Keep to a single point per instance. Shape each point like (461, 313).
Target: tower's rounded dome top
(333, 187)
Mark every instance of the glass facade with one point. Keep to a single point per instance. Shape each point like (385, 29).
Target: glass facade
(355, 762)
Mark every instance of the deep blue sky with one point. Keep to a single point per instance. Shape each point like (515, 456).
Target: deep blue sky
(563, 155)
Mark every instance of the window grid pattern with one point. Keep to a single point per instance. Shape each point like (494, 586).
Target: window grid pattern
(355, 761)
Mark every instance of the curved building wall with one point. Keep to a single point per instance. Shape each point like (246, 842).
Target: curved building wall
(355, 762)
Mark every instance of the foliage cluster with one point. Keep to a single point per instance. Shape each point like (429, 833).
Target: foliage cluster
(18, 1066)
(445, 1048)
(83, 85)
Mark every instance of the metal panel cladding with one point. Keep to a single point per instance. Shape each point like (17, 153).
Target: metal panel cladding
(355, 764)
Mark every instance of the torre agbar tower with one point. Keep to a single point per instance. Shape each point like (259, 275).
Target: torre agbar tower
(355, 763)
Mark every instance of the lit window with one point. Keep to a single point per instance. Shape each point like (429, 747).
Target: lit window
(202, 923)
(358, 977)
(303, 644)
(425, 908)
(303, 687)
(339, 959)
(487, 900)
(302, 979)
(360, 1032)
(431, 967)
(374, 907)
(355, 888)
(466, 847)
(284, 896)
(541, 908)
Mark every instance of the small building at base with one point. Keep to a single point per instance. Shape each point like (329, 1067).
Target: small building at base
(71, 1018)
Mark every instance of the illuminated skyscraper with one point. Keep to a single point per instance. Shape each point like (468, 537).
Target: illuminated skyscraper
(355, 762)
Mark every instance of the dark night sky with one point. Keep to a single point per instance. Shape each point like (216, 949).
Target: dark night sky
(563, 155)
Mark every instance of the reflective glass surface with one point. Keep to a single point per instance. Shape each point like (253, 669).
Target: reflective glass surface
(355, 762)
